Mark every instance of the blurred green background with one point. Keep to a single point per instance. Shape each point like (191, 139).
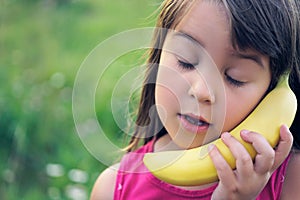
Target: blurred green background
(42, 45)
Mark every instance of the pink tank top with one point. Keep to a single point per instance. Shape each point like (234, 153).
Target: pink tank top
(134, 181)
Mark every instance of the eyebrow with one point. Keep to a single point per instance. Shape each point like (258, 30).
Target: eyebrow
(189, 37)
(257, 59)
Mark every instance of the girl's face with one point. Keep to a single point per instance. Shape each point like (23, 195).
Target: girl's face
(204, 86)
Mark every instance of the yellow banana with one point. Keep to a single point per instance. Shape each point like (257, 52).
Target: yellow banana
(188, 167)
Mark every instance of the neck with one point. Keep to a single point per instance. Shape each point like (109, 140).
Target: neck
(165, 143)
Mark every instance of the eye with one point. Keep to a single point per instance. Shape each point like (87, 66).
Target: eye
(185, 65)
(234, 82)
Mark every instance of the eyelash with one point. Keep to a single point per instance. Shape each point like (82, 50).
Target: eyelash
(185, 65)
(233, 81)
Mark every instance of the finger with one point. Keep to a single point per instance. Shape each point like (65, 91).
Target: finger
(244, 163)
(284, 146)
(224, 171)
(264, 158)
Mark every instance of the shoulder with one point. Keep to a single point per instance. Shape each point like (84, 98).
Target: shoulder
(291, 184)
(105, 184)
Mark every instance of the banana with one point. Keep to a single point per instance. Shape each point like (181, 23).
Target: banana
(189, 168)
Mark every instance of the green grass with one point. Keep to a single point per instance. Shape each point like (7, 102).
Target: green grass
(42, 45)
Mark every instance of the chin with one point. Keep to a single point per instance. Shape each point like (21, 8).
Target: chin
(188, 145)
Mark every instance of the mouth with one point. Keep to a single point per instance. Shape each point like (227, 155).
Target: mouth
(193, 123)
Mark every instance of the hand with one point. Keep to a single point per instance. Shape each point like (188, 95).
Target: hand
(249, 178)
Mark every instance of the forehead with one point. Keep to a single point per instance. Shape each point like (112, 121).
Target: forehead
(207, 22)
(192, 5)
(205, 12)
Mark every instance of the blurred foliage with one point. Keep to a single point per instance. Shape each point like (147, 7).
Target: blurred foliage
(42, 45)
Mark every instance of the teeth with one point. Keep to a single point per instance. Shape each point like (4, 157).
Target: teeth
(194, 121)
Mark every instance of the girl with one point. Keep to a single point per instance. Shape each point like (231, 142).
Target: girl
(252, 43)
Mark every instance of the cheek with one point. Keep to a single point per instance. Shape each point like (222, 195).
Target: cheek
(170, 90)
(239, 107)
(160, 102)
(166, 101)
(233, 114)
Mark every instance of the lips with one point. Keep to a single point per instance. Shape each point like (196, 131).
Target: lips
(193, 123)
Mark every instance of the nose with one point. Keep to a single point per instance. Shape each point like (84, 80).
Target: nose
(199, 89)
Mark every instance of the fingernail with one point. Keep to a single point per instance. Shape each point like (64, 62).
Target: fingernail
(226, 135)
(210, 147)
(205, 151)
(245, 132)
(285, 126)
